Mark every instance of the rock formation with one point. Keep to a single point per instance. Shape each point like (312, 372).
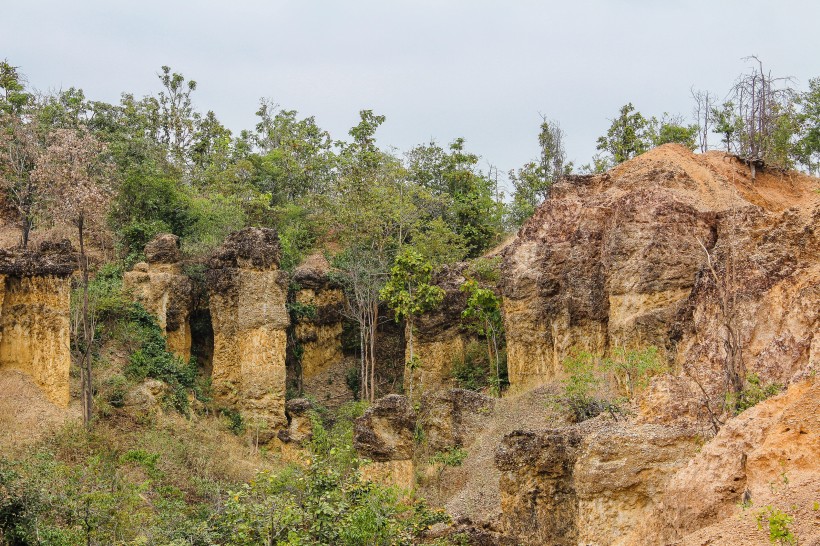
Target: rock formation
(438, 338)
(247, 293)
(622, 259)
(385, 435)
(587, 484)
(161, 287)
(317, 333)
(35, 330)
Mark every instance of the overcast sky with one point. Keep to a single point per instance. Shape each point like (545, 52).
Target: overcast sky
(437, 69)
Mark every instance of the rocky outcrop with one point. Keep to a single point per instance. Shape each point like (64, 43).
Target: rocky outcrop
(317, 312)
(35, 295)
(161, 287)
(587, 484)
(622, 259)
(247, 294)
(437, 339)
(452, 418)
(766, 456)
(385, 435)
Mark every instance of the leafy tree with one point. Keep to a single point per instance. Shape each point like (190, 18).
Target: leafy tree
(726, 123)
(483, 316)
(628, 136)
(533, 181)
(410, 294)
(437, 243)
(808, 143)
(672, 129)
(13, 96)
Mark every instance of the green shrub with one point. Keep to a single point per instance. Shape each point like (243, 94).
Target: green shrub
(777, 523)
(152, 359)
(753, 393)
(454, 456)
(633, 368)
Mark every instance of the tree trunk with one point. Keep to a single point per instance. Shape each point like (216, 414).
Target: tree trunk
(88, 335)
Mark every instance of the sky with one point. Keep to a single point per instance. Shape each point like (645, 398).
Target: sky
(438, 69)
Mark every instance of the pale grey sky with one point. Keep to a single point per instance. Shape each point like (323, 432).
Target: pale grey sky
(438, 69)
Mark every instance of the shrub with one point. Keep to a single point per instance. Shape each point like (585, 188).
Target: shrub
(753, 393)
(582, 387)
(634, 368)
(152, 359)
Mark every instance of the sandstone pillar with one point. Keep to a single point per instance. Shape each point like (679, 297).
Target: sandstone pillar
(161, 287)
(247, 293)
(35, 333)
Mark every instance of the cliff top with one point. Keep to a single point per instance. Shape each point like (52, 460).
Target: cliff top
(50, 259)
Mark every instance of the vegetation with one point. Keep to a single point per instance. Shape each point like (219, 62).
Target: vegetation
(594, 385)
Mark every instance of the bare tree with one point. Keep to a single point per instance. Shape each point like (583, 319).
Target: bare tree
(761, 100)
(19, 151)
(702, 111)
(75, 178)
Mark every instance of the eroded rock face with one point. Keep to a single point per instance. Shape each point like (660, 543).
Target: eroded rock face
(767, 456)
(450, 418)
(539, 503)
(161, 287)
(385, 435)
(35, 295)
(622, 259)
(588, 484)
(247, 293)
(318, 332)
(438, 338)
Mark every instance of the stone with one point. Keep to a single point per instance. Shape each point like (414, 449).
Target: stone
(248, 294)
(164, 291)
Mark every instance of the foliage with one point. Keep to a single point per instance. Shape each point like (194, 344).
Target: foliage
(634, 368)
(753, 393)
(628, 136)
(777, 523)
(152, 359)
(453, 456)
(482, 315)
(408, 291)
(324, 502)
(471, 369)
(581, 387)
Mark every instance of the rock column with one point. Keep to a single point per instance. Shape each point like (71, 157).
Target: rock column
(247, 293)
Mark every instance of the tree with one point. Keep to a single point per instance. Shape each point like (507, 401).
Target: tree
(483, 316)
(702, 111)
(628, 135)
(76, 179)
(14, 97)
(367, 217)
(533, 181)
(672, 129)
(808, 143)
(19, 151)
(410, 294)
(726, 123)
(764, 109)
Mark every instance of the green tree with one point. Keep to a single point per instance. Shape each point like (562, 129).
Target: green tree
(483, 316)
(628, 136)
(671, 129)
(409, 293)
(726, 123)
(808, 143)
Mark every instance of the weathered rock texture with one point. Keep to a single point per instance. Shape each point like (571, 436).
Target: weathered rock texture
(620, 259)
(385, 435)
(35, 295)
(589, 484)
(768, 456)
(438, 338)
(317, 332)
(247, 294)
(161, 287)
